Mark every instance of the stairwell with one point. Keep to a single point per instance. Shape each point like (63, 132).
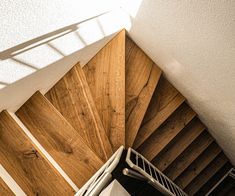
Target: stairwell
(120, 97)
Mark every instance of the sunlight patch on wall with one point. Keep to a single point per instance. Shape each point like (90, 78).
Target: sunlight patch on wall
(33, 55)
(69, 43)
(91, 32)
(40, 56)
(119, 19)
(131, 6)
(175, 66)
(2, 86)
(11, 71)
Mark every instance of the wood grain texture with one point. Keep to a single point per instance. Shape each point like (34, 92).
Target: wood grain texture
(71, 96)
(198, 165)
(214, 179)
(165, 100)
(206, 174)
(105, 74)
(166, 133)
(25, 164)
(59, 139)
(172, 151)
(163, 95)
(142, 76)
(188, 155)
(4, 189)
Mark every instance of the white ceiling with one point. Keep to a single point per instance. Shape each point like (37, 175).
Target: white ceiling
(194, 44)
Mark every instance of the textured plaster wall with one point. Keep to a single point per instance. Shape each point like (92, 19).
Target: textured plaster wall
(194, 43)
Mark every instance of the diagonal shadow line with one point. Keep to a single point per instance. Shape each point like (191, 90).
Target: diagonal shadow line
(56, 49)
(23, 47)
(24, 63)
(4, 83)
(80, 38)
(100, 26)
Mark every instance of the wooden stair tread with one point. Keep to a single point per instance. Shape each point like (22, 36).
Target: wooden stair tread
(198, 165)
(142, 76)
(164, 134)
(105, 74)
(72, 98)
(165, 100)
(4, 189)
(214, 179)
(172, 151)
(24, 162)
(163, 95)
(120, 97)
(59, 139)
(188, 155)
(206, 174)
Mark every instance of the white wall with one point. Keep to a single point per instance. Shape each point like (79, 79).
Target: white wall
(42, 40)
(194, 44)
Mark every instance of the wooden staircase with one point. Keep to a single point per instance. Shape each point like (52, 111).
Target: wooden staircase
(118, 98)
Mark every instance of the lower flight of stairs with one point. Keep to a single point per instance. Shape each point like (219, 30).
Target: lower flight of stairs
(119, 98)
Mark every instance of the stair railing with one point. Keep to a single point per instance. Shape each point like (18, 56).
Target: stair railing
(102, 177)
(140, 168)
(154, 176)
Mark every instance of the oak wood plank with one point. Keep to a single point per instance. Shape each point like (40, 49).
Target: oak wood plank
(71, 96)
(206, 174)
(198, 165)
(142, 76)
(172, 151)
(167, 132)
(25, 163)
(163, 95)
(59, 138)
(165, 100)
(105, 74)
(4, 189)
(188, 155)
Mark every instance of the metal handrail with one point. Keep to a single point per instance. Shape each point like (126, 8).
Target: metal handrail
(155, 177)
(95, 184)
(141, 169)
(229, 173)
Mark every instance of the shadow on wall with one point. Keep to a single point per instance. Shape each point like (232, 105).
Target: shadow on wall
(46, 39)
(39, 63)
(21, 55)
